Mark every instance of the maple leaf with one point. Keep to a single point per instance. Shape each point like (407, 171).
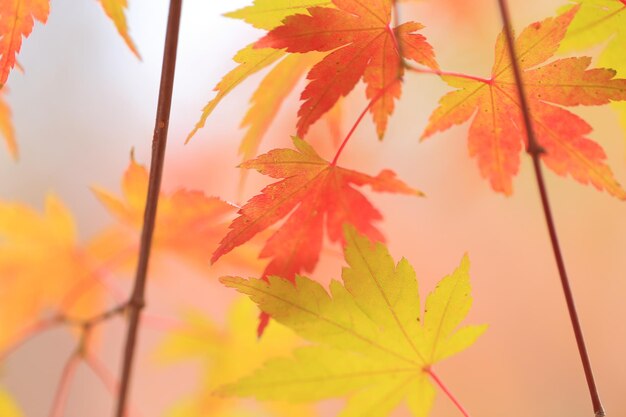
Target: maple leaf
(363, 45)
(224, 353)
(496, 133)
(17, 18)
(34, 248)
(188, 223)
(8, 408)
(264, 14)
(6, 126)
(276, 85)
(250, 61)
(597, 22)
(371, 341)
(268, 98)
(314, 191)
(114, 9)
(267, 14)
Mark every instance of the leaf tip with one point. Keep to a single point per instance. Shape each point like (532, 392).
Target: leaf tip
(191, 135)
(216, 255)
(228, 280)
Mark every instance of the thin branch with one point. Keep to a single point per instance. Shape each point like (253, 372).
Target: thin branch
(535, 151)
(99, 318)
(446, 391)
(137, 299)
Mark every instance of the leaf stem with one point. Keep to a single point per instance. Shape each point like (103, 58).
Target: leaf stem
(535, 151)
(28, 333)
(446, 391)
(67, 375)
(420, 70)
(137, 299)
(359, 119)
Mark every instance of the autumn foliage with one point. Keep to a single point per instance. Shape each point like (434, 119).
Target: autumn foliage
(369, 338)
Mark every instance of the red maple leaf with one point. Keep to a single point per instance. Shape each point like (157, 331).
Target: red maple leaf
(363, 45)
(315, 192)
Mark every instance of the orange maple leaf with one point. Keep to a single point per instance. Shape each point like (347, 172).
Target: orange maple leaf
(43, 267)
(316, 191)
(7, 131)
(497, 133)
(188, 223)
(17, 18)
(363, 45)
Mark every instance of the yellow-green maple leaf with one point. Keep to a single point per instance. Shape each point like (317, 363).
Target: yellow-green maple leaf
(371, 340)
(8, 408)
(228, 353)
(600, 21)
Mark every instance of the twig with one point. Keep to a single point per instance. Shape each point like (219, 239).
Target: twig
(137, 299)
(88, 323)
(535, 151)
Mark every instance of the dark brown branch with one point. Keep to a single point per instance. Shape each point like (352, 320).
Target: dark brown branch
(137, 299)
(535, 151)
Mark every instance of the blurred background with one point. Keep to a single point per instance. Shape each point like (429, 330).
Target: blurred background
(85, 101)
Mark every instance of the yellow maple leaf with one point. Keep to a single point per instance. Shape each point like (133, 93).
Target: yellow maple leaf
(267, 14)
(250, 61)
(371, 341)
(277, 84)
(227, 353)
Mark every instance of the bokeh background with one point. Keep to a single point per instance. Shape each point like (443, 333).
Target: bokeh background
(85, 101)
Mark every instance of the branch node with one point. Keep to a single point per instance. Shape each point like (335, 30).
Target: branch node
(136, 303)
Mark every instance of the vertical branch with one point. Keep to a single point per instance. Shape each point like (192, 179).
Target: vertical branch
(535, 151)
(137, 300)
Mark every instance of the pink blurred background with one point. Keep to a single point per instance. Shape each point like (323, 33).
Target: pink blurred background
(85, 101)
